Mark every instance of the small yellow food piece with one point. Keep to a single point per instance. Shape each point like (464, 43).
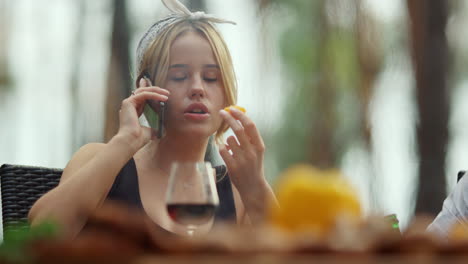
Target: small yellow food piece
(240, 108)
(313, 200)
(458, 232)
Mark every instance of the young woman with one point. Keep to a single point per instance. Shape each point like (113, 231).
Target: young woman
(191, 68)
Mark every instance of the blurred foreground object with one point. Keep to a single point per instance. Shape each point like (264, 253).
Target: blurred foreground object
(459, 232)
(17, 237)
(313, 200)
(115, 234)
(393, 221)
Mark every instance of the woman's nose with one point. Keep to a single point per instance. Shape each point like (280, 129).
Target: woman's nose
(197, 89)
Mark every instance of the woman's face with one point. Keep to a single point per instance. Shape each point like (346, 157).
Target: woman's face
(196, 86)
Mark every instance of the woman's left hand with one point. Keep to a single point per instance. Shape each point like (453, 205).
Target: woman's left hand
(245, 159)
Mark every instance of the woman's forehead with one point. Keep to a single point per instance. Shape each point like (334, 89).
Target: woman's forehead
(191, 46)
(191, 39)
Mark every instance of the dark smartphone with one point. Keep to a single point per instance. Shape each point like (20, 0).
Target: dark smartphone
(155, 111)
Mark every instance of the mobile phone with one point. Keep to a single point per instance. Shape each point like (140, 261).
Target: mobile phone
(155, 111)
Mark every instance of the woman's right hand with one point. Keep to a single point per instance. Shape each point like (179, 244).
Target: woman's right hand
(132, 107)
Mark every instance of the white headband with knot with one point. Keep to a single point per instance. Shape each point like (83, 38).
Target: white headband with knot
(179, 12)
(178, 8)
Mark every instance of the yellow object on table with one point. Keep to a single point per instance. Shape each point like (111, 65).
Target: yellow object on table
(458, 232)
(313, 200)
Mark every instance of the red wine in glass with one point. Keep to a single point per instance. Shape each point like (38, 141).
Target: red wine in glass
(191, 197)
(191, 213)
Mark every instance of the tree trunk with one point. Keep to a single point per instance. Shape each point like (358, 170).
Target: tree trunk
(430, 61)
(119, 81)
(76, 121)
(370, 56)
(321, 141)
(5, 77)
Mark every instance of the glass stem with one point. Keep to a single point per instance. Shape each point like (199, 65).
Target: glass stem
(191, 230)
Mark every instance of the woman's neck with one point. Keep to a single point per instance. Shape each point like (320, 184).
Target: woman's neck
(171, 149)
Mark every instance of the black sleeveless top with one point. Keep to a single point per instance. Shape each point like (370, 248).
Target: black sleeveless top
(125, 190)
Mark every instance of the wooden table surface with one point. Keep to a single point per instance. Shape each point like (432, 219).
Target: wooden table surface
(277, 259)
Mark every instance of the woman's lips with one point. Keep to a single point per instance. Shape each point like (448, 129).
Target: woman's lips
(196, 117)
(197, 112)
(200, 107)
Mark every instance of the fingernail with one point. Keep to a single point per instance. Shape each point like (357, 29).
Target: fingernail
(164, 97)
(223, 112)
(142, 82)
(232, 108)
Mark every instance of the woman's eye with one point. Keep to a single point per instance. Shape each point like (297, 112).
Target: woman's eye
(210, 77)
(214, 79)
(178, 78)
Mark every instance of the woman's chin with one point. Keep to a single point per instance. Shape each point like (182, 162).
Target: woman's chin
(196, 133)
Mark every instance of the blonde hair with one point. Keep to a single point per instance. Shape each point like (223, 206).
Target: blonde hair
(157, 57)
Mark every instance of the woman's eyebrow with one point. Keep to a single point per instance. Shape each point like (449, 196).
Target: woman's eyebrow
(216, 66)
(178, 66)
(211, 66)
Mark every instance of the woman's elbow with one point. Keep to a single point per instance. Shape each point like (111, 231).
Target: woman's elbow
(38, 212)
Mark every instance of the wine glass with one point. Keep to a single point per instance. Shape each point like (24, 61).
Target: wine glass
(191, 197)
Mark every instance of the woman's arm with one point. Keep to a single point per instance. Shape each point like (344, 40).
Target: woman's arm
(88, 177)
(252, 209)
(85, 183)
(245, 166)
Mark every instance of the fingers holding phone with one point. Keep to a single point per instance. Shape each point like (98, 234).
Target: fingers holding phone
(132, 108)
(155, 110)
(151, 94)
